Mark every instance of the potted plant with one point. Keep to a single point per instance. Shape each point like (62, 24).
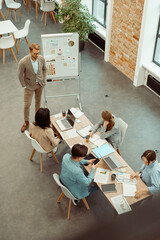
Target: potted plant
(76, 18)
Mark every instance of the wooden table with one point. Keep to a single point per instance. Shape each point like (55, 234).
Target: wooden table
(84, 122)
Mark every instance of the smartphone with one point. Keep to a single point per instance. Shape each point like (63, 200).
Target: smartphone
(96, 161)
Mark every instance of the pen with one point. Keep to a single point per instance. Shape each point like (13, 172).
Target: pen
(118, 171)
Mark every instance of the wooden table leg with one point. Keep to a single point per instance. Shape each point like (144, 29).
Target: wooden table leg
(36, 10)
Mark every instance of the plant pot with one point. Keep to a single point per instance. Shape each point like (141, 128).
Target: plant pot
(81, 45)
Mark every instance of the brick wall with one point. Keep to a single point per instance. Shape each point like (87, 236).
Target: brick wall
(125, 33)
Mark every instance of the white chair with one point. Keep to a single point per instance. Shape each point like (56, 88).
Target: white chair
(37, 147)
(1, 14)
(68, 194)
(12, 5)
(7, 43)
(48, 7)
(123, 128)
(23, 33)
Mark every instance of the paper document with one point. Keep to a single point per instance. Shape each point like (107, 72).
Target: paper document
(103, 150)
(83, 132)
(121, 205)
(76, 113)
(101, 175)
(129, 190)
(69, 134)
(97, 140)
(58, 115)
(125, 178)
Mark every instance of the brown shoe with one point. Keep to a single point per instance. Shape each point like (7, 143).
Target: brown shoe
(25, 126)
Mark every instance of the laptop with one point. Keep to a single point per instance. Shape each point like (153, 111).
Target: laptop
(66, 123)
(112, 162)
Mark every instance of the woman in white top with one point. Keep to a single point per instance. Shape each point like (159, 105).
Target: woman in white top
(109, 129)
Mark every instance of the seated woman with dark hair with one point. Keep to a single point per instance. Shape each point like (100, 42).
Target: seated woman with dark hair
(109, 129)
(149, 173)
(41, 130)
(72, 175)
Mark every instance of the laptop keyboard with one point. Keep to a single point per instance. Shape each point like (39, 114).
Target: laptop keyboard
(65, 123)
(110, 162)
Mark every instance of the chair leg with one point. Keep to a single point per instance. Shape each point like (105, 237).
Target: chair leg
(36, 10)
(15, 15)
(7, 13)
(69, 209)
(54, 157)
(32, 154)
(13, 54)
(18, 44)
(2, 15)
(52, 14)
(27, 40)
(60, 197)
(26, 3)
(29, 6)
(0, 52)
(3, 56)
(19, 13)
(42, 16)
(15, 42)
(85, 203)
(45, 18)
(118, 151)
(41, 162)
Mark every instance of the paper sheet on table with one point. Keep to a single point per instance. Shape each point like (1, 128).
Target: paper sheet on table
(129, 190)
(76, 113)
(121, 205)
(69, 134)
(97, 140)
(83, 132)
(125, 178)
(58, 115)
(101, 175)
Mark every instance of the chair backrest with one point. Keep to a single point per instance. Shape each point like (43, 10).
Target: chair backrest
(8, 2)
(7, 42)
(123, 128)
(34, 143)
(65, 190)
(48, 5)
(26, 26)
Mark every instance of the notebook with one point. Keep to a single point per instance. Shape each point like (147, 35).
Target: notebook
(103, 150)
(112, 162)
(66, 123)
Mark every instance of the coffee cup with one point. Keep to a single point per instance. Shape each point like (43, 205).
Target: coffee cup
(87, 138)
(113, 176)
(63, 113)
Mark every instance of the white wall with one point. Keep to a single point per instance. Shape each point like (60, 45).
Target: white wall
(148, 33)
(108, 29)
(88, 3)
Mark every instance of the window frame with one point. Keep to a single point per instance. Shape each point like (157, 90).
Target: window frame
(155, 48)
(105, 12)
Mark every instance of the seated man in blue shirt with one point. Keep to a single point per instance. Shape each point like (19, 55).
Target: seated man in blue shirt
(72, 175)
(149, 173)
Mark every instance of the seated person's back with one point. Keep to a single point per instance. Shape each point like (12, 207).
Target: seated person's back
(72, 175)
(41, 131)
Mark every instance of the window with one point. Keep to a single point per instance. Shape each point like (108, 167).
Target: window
(156, 57)
(99, 11)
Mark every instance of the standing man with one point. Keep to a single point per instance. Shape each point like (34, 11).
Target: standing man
(32, 76)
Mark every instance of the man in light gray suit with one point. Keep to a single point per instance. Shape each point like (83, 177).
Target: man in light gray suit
(32, 76)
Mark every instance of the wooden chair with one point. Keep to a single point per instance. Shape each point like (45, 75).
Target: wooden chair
(5, 44)
(48, 7)
(12, 5)
(37, 147)
(23, 33)
(68, 194)
(123, 128)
